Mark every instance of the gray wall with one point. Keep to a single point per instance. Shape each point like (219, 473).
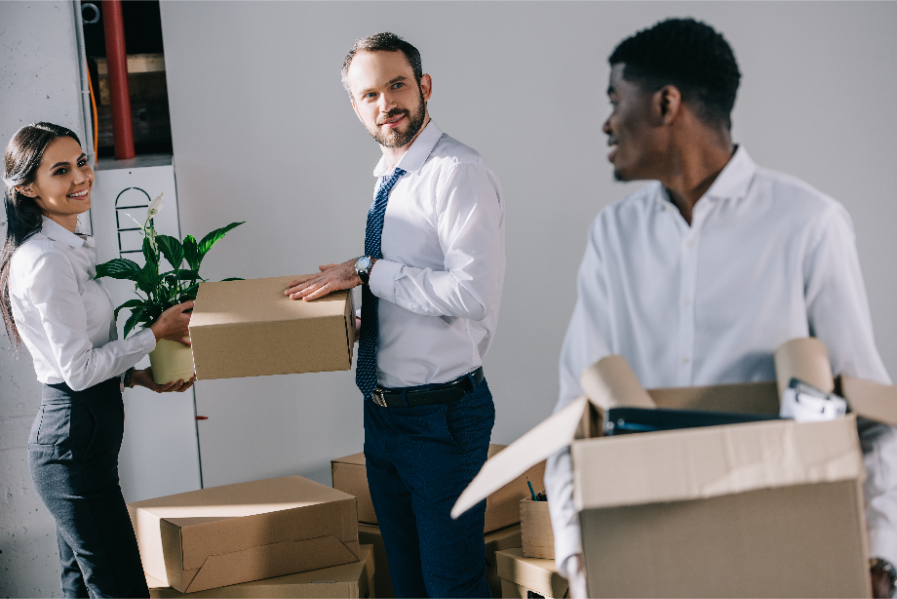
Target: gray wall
(38, 81)
(263, 132)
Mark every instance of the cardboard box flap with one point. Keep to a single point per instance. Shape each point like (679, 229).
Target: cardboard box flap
(356, 459)
(540, 443)
(611, 383)
(871, 400)
(744, 398)
(805, 359)
(217, 303)
(271, 560)
(538, 575)
(714, 461)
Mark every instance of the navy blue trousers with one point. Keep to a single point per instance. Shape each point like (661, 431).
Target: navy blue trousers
(73, 458)
(419, 460)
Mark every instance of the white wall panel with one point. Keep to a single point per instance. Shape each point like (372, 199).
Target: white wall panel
(263, 132)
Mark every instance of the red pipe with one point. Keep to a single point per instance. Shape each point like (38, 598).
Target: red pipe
(117, 64)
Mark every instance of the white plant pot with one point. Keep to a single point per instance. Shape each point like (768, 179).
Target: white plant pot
(171, 361)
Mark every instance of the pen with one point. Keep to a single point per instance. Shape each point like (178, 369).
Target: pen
(532, 492)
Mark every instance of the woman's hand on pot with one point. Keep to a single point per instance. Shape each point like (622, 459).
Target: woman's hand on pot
(173, 324)
(144, 378)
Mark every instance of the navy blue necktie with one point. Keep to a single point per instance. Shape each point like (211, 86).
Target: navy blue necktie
(366, 367)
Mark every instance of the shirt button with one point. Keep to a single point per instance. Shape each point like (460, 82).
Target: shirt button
(689, 243)
(687, 302)
(685, 360)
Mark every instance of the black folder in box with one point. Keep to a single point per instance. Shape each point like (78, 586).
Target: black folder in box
(624, 421)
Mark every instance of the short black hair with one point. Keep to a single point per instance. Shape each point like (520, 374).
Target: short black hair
(383, 42)
(688, 54)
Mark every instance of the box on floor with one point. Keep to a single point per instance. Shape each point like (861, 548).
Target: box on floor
(351, 581)
(502, 507)
(771, 508)
(226, 535)
(494, 541)
(526, 577)
(250, 328)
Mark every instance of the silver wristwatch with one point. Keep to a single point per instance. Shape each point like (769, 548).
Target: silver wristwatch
(363, 268)
(888, 568)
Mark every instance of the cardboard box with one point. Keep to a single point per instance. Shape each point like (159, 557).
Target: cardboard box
(494, 541)
(526, 577)
(536, 532)
(353, 581)
(250, 328)
(502, 507)
(237, 533)
(761, 509)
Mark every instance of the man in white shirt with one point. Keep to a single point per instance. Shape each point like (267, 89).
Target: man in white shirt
(698, 277)
(432, 278)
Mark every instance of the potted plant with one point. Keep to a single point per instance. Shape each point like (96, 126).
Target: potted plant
(158, 291)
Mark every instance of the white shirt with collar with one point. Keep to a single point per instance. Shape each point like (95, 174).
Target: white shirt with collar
(766, 259)
(443, 264)
(64, 316)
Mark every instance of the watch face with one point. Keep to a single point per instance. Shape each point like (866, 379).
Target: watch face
(363, 263)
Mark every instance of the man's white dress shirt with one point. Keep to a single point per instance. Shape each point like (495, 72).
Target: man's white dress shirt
(443, 263)
(766, 259)
(64, 316)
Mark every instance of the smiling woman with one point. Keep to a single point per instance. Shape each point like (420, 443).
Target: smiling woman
(51, 301)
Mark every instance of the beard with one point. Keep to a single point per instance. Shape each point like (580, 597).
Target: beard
(394, 138)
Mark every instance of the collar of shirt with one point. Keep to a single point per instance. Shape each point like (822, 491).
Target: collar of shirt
(414, 158)
(56, 232)
(733, 181)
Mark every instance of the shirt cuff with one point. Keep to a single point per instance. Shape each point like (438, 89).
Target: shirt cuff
(147, 340)
(382, 279)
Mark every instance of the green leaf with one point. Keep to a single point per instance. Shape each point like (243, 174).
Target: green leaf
(137, 316)
(119, 268)
(189, 293)
(171, 249)
(232, 279)
(214, 237)
(151, 253)
(189, 275)
(130, 304)
(191, 252)
(148, 278)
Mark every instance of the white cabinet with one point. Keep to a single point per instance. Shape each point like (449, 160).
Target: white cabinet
(160, 454)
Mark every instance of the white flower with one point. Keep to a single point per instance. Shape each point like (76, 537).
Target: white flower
(154, 207)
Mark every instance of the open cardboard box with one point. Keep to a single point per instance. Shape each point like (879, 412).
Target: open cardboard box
(349, 475)
(250, 328)
(226, 535)
(527, 577)
(351, 581)
(760, 510)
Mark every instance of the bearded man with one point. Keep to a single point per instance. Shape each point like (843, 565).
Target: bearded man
(431, 276)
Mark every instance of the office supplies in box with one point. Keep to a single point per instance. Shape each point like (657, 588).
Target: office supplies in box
(502, 507)
(351, 581)
(250, 328)
(757, 509)
(493, 542)
(226, 535)
(537, 536)
(527, 577)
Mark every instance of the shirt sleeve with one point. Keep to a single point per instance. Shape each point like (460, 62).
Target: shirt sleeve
(63, 315)
(470, 223)
(586, 342)
(838, 312)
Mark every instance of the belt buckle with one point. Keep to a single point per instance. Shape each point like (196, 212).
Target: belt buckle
(378, 397)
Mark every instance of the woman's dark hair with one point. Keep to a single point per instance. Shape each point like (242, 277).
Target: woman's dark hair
(23, 216)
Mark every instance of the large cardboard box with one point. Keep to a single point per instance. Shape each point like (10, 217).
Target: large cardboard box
(763, 509)
(527, 577)
(352, 581)
(494, 541)
(237, 533)
(502, 507)
(535, 528)
(250, 328)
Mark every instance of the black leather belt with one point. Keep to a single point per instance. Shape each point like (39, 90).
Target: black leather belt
(443, 393)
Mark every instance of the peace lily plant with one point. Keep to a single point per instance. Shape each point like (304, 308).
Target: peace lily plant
(157, 291)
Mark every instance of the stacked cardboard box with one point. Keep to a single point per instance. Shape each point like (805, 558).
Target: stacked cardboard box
(528, 577)
(771, 508)
(238, 533)
(352, 581)
(502, 530)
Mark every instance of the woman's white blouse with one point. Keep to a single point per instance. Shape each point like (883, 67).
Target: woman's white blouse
(64, 316)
